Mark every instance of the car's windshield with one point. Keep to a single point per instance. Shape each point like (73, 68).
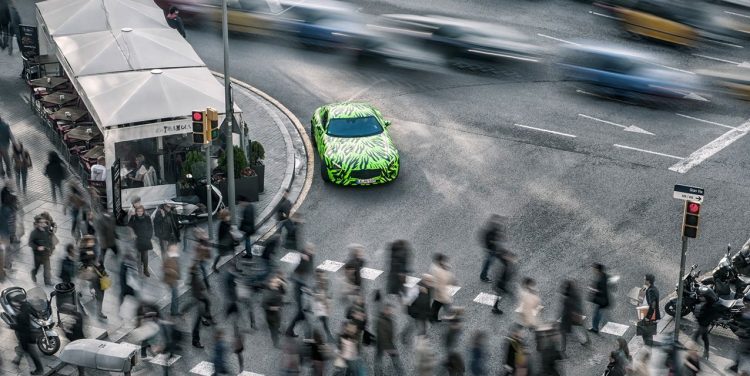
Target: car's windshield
(354, 127)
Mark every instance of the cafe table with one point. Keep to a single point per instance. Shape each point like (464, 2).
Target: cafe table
(59, 98)
(49, 82)
(72, 114)
(84, 133)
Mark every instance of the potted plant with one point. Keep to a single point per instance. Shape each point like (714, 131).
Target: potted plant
(245, 179)
(194, 166)
(257, 154)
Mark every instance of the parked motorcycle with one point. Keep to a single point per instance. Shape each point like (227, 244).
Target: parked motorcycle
(192, 208)
(726, 280)
(42, 322)
(728, 310)
(689, 293)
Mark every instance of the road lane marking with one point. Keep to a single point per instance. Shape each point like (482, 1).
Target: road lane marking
(330, 266)
(717, 59)
(411, 281)
(545, 130)
(711, 148)
(648, 151)
(487, 53)
(558, 39)
(605, 15)
(452, 290)
(736, 14)
(291, 257)
(705, 121)
(630, 128)
(370, 274)
(674, 69)
(246, 373)
(161, 360)
(203, 368)
(357, 94)
(486, 299)
(614, 329)
(603, 97)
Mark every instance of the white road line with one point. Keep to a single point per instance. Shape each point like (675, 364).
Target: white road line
(603, 121)
(674, 69)
(246, 373)
(545, 130)
(161, 360)
(727, 44)
(330, 266)
(711, 148)
(370, 274)
(291, 257)
(605, 15)
(630, 128)
(717, 59)
(411, 281)
(558, 39)
(614, 329)
(486, 299)
(453, 289)
(357, 94)
(706, 121)
(736, 14)
(647, 151)
(203, 368)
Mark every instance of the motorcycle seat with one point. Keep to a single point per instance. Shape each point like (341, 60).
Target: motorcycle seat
(745, 280)
(729, 303)
(14, 296)
(195, 200)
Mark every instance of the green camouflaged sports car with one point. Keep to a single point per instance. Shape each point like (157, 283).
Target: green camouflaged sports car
(353, 144)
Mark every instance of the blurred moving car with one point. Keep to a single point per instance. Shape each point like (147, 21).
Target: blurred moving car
(329, 24)
(245, 16)
(354, 145)
(663, 20)
(732, 80)
(622, 73)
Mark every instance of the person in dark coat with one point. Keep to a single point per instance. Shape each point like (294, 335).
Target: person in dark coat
(25, 337)
(247, 225)
(105, 230)
(144, 231)
(384, 332)
(175, 21)
(272, 305)
(651, 299)
(22, 164)
(516, 354)
(502, 283)
(705, 315)
(6, 138)
(301, 278)
(74, 331)
(166, 228)
(128, 265)
(56, 172)
(220, 354)
(572, 313)
(68, 265)
(200, 293)
(399, 266)
(226, 241)
(419, 308)
(598, 295)
(352, 268)
(40, 242)
(492, 238)
(478, 354)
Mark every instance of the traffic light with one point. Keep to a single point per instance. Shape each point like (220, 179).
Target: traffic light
(199, 127)
(690, 223)
(213, 122)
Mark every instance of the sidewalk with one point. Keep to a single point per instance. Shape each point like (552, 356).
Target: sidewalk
(286, 168)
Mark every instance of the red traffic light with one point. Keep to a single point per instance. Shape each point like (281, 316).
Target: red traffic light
(197, 116)
(693, 208)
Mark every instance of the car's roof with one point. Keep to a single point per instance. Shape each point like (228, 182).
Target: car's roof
(347, 110)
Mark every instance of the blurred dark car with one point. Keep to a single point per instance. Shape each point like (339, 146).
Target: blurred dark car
(732, 80)
(328, 24)
(621, 73)
(245, 16)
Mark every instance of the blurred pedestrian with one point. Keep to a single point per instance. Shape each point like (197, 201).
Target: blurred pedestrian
(175, 21)
(502, 283)
(598, 295)
(238, 346)
(127, 275)
(443, 281)
(705, 314)
(516, 361)
(615, 367)
(492, 237)
(321, 301)
(571, 316)
(454, 364)
(199, 292)
(642, 364)
(425, 356)
(68, 265)
(385, 345)
(349, 350)
(56, 172)
(6, 138)
(455, 329)
(272, 304)
(399, 266)
(166, 228)
(76, 205)
(300, 276)
(319, 354)
(99, 170)
(284, 210)
(40, 242)
(692, 364)
(105, 230)
(650, 299)
(529, 304)
(144, 231)
(549, 353)
(22, 164)
(293, 232)
(225, 246)
(478, 354)
(135, 202)
(25, 336)
(171, 272)
(419, 308)
(352, 269)
(170, 341)
(623, 353)
(100, 284)
(220, 354)
(74, 329)
(247, 224)
(10, 207)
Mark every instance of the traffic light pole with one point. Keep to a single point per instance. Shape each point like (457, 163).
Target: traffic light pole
(209, 189)
(229, 109)
(680, 287)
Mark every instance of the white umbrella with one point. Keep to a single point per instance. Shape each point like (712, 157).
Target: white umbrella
(66, 17)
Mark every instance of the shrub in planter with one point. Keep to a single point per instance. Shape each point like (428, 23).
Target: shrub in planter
(195, 165)
(240, 161)
(257, 154)
(246, 180)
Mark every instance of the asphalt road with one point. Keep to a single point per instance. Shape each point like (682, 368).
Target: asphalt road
(604, 195)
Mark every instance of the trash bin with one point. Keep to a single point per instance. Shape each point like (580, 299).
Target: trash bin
(66, 298)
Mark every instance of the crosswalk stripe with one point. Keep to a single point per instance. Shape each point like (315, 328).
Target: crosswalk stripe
(246, 373)
(161, 360)
(411, 281)
(614, 329)
(330, 266)
(453, 289)
(203, 368)
(291, 257)
(486, 299)
(370, 274)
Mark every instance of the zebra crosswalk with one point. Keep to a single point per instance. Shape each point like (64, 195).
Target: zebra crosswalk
(206, 368)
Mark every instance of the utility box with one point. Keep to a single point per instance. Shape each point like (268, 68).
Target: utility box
(100, 355)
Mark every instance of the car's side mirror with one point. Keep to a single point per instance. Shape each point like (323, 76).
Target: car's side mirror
(387, 123)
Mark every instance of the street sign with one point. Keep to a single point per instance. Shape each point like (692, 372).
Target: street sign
(688, 193)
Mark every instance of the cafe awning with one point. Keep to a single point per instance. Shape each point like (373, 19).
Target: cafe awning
(67, 17)
(133, 97)
(126, 50)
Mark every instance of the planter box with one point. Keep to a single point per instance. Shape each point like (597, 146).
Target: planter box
(247, 186)
(260, 169)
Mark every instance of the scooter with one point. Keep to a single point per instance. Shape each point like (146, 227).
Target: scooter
(725, 275)
(42, 322)
(193, 208)
(689, 294)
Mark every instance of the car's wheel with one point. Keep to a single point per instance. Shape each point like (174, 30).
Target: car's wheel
(324, 172)
(48, 345)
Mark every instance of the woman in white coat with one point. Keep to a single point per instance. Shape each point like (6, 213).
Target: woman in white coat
(529, 304)
(443, 279)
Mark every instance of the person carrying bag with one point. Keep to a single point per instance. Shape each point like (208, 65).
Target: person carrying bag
(646, 326)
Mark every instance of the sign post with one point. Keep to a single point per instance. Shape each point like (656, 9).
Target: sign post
(116, 191)
(693, 198)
